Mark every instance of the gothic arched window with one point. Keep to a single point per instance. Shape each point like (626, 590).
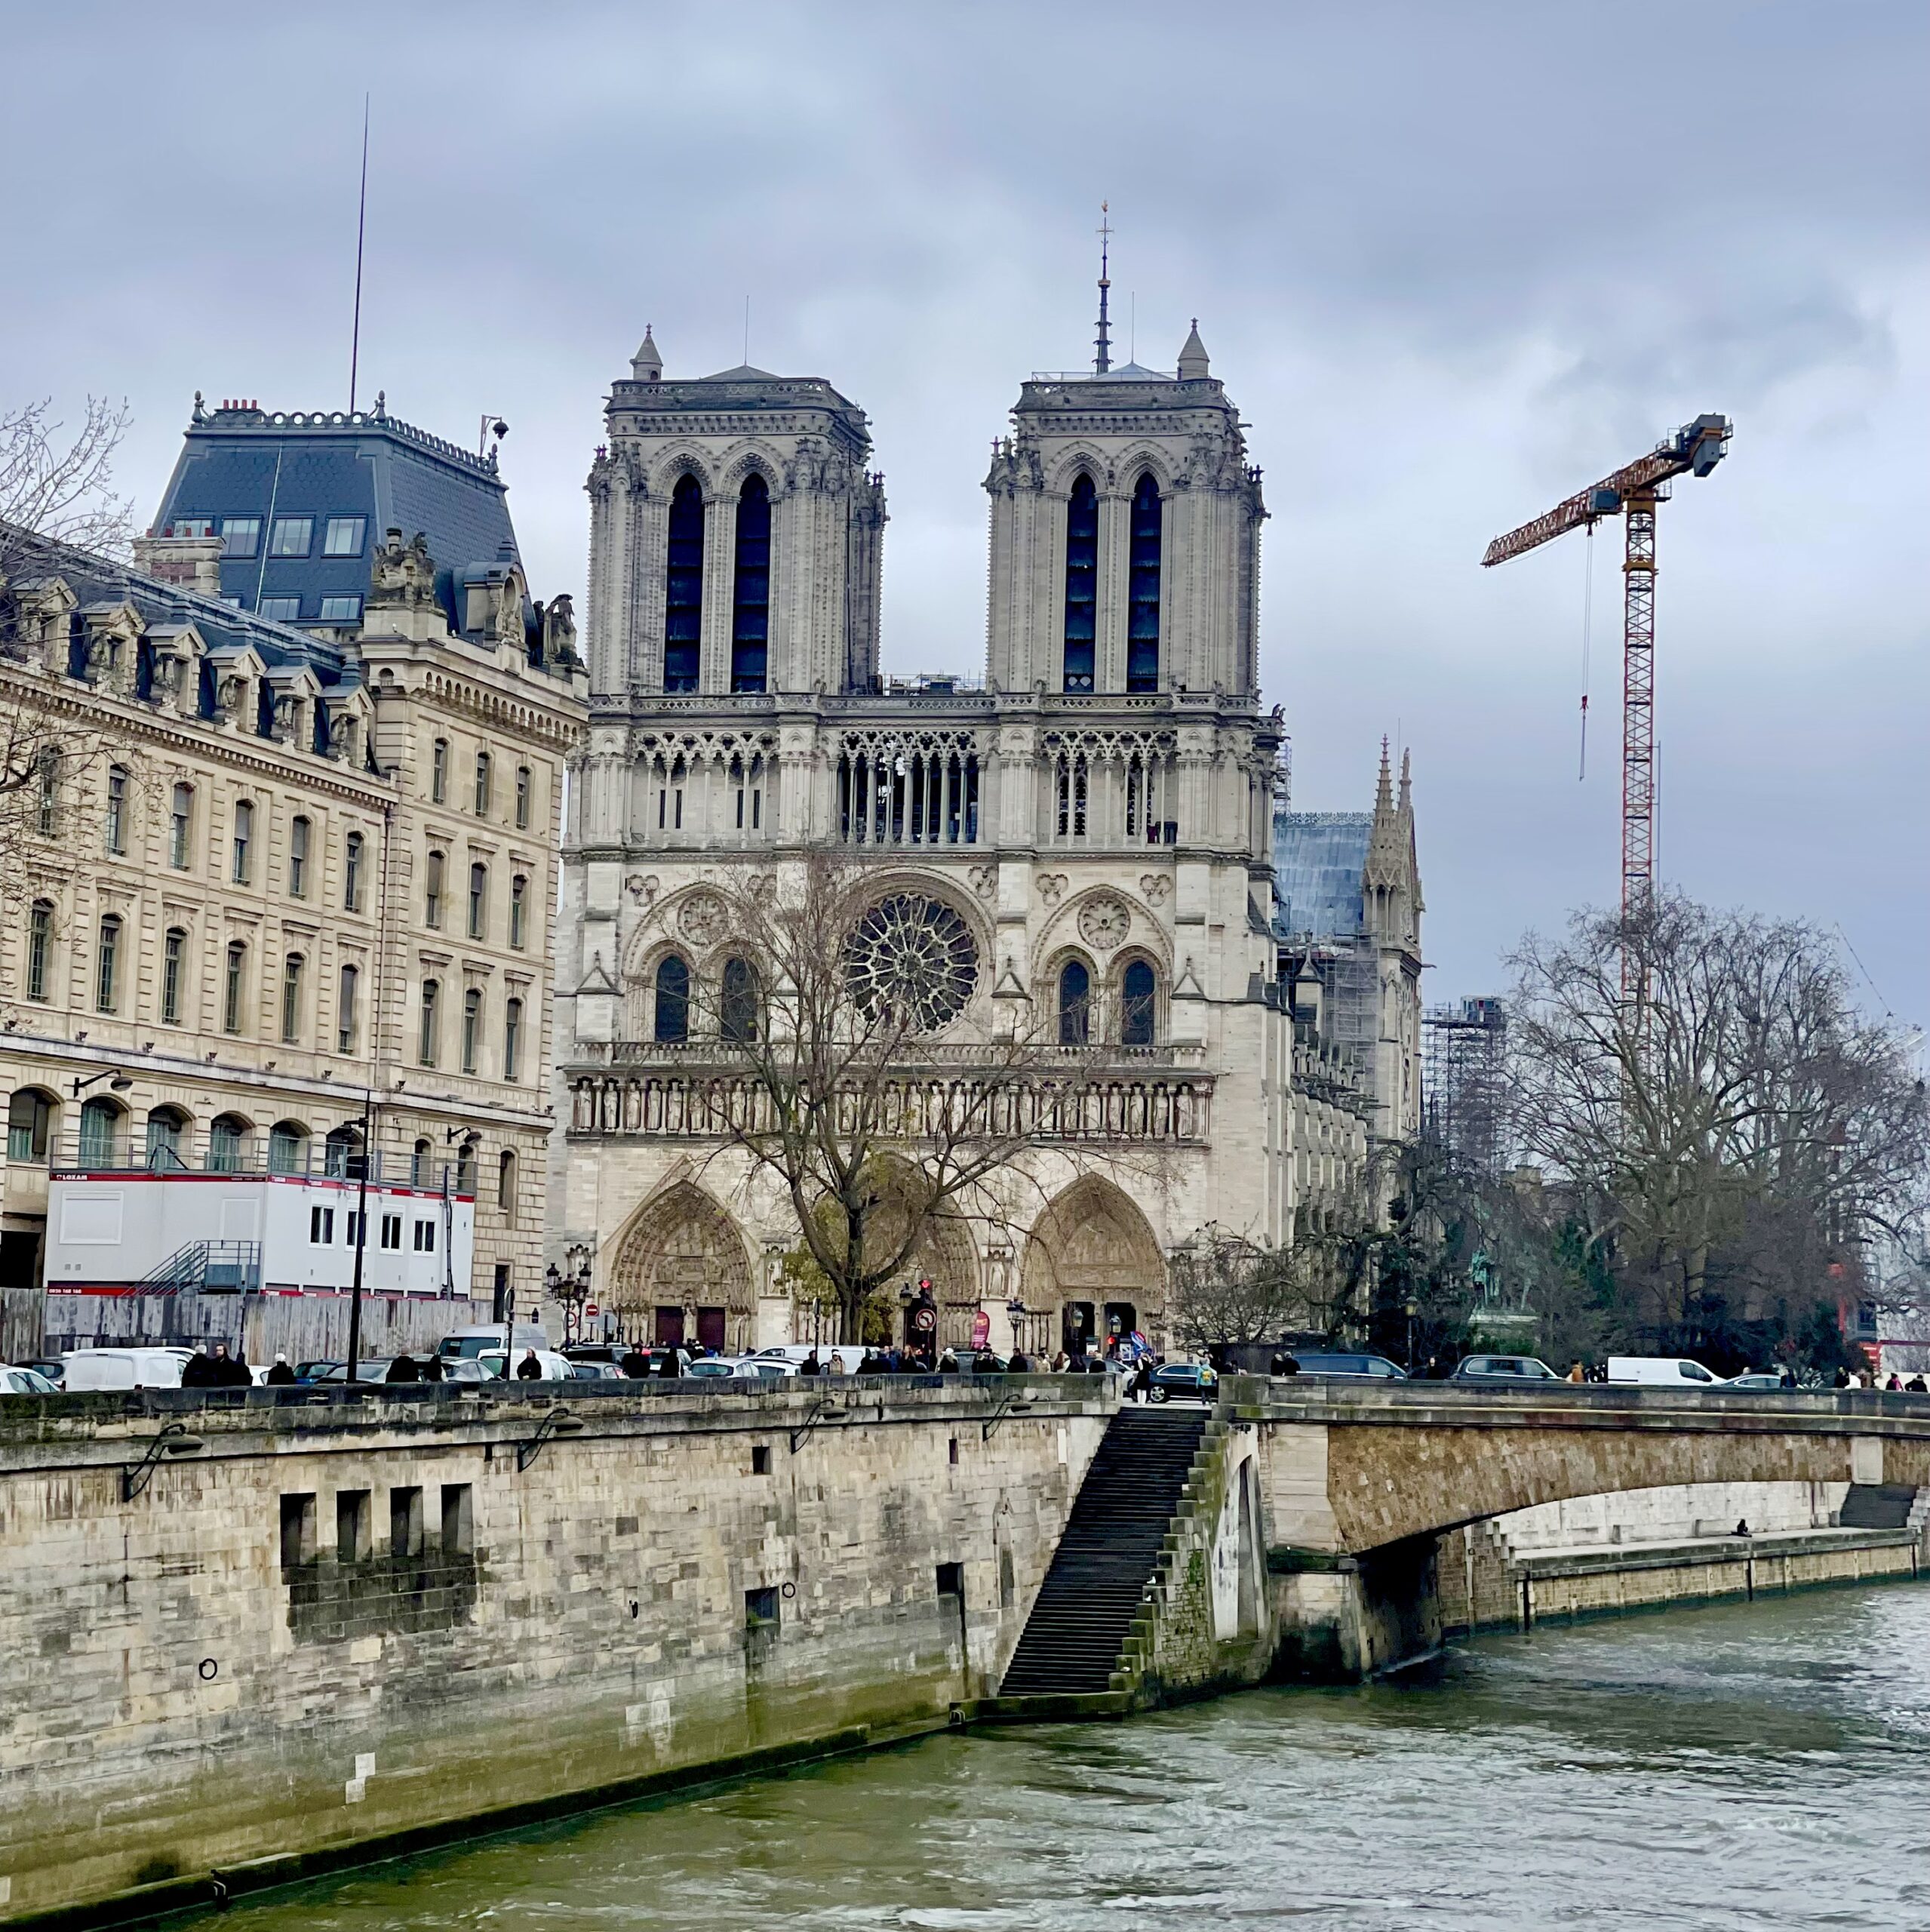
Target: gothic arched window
(739, 1013)
(1082, 581)
(750, 608)
(673, 999)
(1136, 1005)
(684, 600)
(1075, 1004)
(1142, 636)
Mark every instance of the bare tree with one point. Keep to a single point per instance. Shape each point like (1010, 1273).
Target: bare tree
(1739, 1140)
(55, 490)
(839, 1091)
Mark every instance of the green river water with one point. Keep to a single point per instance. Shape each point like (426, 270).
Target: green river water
(1734, 1766)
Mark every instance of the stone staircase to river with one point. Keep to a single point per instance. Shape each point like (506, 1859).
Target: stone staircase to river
(1109, 1554)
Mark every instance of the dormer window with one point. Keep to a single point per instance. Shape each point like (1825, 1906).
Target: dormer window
(240, 535)
(343, 537)
(291, 537)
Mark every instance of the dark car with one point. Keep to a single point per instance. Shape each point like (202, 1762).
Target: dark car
(1182, 1381)
(1502, 1368)
(1376, 1368)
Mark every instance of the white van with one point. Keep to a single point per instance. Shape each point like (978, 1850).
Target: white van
(125, 1368)
(1661, 1372)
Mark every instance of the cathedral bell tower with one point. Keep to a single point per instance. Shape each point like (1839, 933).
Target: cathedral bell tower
(735, 536)
(1125, 533)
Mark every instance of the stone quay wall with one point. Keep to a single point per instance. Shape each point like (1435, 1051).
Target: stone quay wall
(333, 1625)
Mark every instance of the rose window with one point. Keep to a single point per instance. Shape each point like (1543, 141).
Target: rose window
(912, 957)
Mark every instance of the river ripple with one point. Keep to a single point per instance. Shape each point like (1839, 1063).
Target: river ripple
(1766, 1765)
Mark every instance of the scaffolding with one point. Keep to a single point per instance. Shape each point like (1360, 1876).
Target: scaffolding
(1464, 1082)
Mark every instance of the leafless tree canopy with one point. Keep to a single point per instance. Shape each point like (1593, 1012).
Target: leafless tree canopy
(59, 483)
(874, 1129)
(1738, 1142)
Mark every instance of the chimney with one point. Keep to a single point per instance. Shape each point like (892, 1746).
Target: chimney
(187, 553)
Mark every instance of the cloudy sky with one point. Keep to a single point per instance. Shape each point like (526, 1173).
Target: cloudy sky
(1453, 260)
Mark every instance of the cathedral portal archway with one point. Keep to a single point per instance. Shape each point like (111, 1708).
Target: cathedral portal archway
(1092, 1265)
(682, 1274)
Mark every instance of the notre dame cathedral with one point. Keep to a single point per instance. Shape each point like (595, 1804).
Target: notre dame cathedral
(1086, 836)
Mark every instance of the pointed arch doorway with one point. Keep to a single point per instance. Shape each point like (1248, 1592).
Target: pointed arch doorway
(1091, 1260)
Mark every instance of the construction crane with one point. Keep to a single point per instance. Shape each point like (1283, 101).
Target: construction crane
(1635, 489)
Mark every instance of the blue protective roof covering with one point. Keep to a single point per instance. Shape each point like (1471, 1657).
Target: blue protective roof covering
(241, 461)
(1319, 859)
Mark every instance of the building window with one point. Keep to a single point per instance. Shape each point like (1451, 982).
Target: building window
(291, 537)
(173, 951)
(240, 535)
(424, 1238)
(291, 998)
(427, 1043)
(30, 1122)
(231, 993)
(439, 772)
(673, 999)
(279, 609)
(1142, 632)
(684, 596)
(737, 1019)
(482, 784)
(347, 986)
(245, 831)
(465, 1168)
(432, 891)
(322, 1227)
(287, 1148)
(750, 607)
(47, 813)
(1082, 581)
(1075, 1005)
(342, 1154)
(506, 1183)
(351, 873)
(40, 944)
(391, 1237)
(180, 826)
(471, 1026)
(522, 798)
(342, 536)
(512, 1039)
(100, 1134)
(478, 899)
(1136, 1006)
(341, 610)
(117, 810)
(107, 976)
(298, 859)
(519, 894)
(225, 1137)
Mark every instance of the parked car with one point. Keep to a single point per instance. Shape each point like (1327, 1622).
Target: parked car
(314, 1371)
(366, 1371)
(1759, 1380)
(1376, 1368)
(593, 1370)
(125, 1368)
(555, 1367)
(1661, 1371)
(24, 1382)
(767, 1368)
(1183, 1381)
(1502, 1368)
(52, 1367)
(487, 1336)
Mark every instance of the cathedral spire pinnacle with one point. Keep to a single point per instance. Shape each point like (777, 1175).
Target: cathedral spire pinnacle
(646, 365)
(1193, 363)
(1102, 361)
(1384, 792)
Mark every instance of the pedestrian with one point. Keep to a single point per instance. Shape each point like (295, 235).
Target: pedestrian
(1142, 1383)
(279, 1376)
(1020, 1364)
(404, 1369)
(948, 1363)
(1916, 1386)
(230, 1371)
(636, 1363)
(529, 1369)
(198, 1371)
(1742, 1528)
(809, 1365)
(432, 1368)
(1577, 1373)
(1895, 1381)
(1059, 1361)
(837, 1364)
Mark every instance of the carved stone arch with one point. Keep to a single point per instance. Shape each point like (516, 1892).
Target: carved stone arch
(737, 464)
(681, 1251)
(683, 459)
(1090, 1250)
(1141, 459)
(1069, 926)
(944, 1253)
(1066, 466)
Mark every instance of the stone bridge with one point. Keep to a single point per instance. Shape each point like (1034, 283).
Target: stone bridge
(1362, 1482)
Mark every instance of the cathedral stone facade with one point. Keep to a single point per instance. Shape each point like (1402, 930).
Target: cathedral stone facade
(1086, 833)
